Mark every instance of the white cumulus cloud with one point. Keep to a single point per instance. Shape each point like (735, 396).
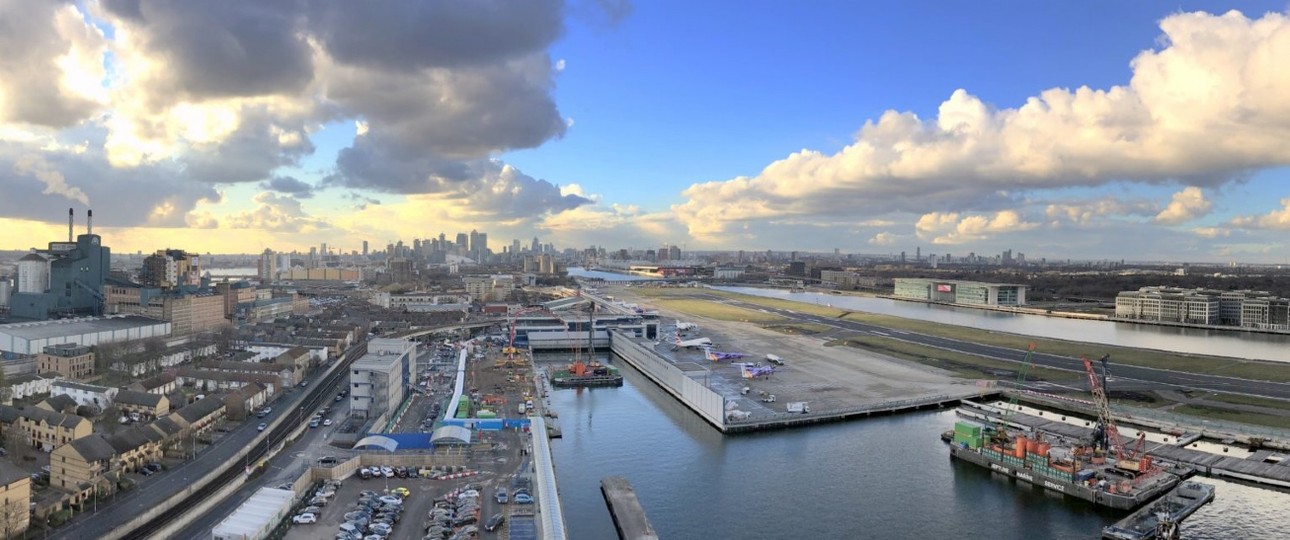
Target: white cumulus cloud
(1186, 205)
(1203, 109)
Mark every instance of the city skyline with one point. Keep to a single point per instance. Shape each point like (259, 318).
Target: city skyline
(874, 128)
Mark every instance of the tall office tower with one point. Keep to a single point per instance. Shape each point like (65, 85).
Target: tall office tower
(463, 243)
(480, 248)
(267, 267)
(537, 246)
(313, 257)
(364, 248)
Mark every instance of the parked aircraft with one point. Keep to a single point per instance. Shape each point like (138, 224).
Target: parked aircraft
(717, 356)
(685, 326)
(696, 343)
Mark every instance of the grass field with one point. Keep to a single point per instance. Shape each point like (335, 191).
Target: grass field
(1234, 416)
(1248, 400)
(965, 365)
(799, 328)
(1119, 355)
(717, 311)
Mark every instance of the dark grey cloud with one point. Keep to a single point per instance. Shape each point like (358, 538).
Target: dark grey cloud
(414, 34)
(224, 48)
(290, 185)
(154, 195)
(250, 153)
(30, 79)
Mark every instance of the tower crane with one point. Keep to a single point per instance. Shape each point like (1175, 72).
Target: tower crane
(1002, 429)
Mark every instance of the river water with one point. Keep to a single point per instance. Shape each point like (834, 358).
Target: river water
(884, 477)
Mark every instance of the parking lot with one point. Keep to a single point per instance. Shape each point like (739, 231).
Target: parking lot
(421, 496)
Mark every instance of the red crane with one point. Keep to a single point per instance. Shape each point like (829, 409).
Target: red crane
(1127, 458)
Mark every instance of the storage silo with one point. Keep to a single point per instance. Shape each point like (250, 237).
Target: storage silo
(33, 274)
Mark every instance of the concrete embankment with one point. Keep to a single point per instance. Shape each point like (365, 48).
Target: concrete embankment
(703, 401)
(626, 510)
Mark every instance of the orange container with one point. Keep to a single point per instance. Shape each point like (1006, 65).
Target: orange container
(1019, 450)
(1044, 448)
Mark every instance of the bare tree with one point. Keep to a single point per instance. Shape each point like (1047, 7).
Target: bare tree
(16, 443)
(14, 518)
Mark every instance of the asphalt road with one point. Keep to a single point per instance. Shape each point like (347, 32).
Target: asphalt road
(164, 485)
(1215, 383)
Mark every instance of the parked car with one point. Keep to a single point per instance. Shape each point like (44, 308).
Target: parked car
(326, 421)
(328, 460)
(501, 495)
(264, 412)
(494, 522)
(402, 491)
(387, 471)
(523, 498)
(262, 426)
(314, 423)
(305, 518)
(391, 499)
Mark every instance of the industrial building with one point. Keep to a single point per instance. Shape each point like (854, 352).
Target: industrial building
(973, 293)
(63, 280)
(1247, 309)
(30, 338)
(378, 380)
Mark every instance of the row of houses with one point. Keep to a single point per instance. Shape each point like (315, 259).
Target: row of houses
(96, 462)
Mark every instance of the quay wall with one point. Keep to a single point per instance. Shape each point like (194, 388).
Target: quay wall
(707, 404)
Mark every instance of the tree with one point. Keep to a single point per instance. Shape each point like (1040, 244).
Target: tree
(15, 516)
(16, 443)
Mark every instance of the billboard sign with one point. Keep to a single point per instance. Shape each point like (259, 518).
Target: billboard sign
(944, 287)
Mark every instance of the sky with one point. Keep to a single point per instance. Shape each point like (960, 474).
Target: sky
(1084, 130)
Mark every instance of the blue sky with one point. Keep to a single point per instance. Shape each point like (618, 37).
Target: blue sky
(721, 125)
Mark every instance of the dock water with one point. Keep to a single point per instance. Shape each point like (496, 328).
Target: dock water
(1173, 507)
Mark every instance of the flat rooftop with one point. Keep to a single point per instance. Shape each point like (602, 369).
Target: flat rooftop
(70, 327)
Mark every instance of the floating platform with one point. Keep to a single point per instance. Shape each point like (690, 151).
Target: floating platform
(1127, 495)
(563, 379)
(1161, 519)
(625, 508)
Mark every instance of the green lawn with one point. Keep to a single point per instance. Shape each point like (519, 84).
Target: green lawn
(1248, 400)
(965, 365)
(799, 328)
(716, 310)
(1234, 416)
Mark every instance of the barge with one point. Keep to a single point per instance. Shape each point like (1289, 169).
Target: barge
(1074, 470)
(1161, 519)
(579, 375)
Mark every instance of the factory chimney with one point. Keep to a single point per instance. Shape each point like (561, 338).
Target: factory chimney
(69, 224)
(89, 222)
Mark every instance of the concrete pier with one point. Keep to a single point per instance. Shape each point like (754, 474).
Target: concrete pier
(625, 508)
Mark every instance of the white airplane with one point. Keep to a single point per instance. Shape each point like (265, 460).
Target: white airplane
(685, 326)
(696, 343)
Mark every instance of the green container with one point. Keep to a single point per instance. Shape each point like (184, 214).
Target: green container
(967, 428)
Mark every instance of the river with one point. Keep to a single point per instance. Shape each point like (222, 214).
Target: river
(884, 477)
(1232, 343)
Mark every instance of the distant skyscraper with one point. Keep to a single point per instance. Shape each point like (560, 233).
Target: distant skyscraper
(364, 248)
(537, 246)
(463, 243)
